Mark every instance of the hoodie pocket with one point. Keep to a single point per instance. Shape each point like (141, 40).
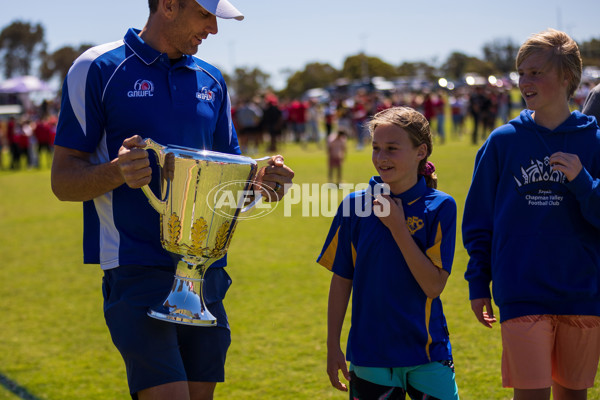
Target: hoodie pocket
(545, 267)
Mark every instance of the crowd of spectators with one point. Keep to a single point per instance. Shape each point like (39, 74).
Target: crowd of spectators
(264, 122)
(313, 120)
(26, 137)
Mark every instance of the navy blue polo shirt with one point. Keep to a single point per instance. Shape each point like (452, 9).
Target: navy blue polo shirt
(393, 323)
(124, 88)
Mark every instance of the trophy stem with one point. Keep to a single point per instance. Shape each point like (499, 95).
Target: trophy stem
(185, 303)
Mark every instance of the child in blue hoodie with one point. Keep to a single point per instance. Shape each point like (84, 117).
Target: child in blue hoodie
(531, 227)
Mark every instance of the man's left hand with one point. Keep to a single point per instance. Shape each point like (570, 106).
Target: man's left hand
(275, 179)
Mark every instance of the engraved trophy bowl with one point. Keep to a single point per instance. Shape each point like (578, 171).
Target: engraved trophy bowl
(202, 194)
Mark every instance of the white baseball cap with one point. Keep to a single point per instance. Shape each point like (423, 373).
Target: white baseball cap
(221, 8)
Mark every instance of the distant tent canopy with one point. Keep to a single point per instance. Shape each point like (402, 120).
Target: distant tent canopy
(11, 109)
(24, 84)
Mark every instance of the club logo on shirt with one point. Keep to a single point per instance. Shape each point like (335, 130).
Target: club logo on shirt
(539, 175)
(142, 88)
(205, 94)
(414, 224)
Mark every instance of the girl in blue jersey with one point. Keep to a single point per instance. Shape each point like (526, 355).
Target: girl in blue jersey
(392, 247)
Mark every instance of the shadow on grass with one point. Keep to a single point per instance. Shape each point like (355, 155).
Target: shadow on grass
(16, 389)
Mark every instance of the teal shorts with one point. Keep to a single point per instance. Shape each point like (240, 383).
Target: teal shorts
(436, 379)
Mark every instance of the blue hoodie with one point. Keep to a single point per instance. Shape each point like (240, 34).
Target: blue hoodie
(529, 230)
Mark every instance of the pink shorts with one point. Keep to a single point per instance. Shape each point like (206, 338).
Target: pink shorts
(541, 349)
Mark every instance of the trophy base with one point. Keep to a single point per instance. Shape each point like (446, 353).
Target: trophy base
(184, 305)
(179, 318)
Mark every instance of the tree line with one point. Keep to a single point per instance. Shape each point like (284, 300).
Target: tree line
(22, 43)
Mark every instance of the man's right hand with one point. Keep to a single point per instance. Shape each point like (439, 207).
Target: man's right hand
(134, 163)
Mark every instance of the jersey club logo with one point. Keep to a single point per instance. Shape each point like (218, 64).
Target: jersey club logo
(205, 94)
(414, 224)
(142, 88)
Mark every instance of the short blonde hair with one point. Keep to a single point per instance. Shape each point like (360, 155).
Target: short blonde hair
(563, 54)
(417, 127)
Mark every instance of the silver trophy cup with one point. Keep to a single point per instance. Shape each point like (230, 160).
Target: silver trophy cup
(202, 194)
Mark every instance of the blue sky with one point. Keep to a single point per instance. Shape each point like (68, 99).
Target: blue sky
(280, 35)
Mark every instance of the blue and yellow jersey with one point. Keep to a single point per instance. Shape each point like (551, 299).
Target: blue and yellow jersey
(393, 323)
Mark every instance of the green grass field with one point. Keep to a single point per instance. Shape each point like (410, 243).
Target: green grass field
(54, 343)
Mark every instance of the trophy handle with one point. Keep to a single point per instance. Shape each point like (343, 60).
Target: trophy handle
(260, 164)
(155, 202)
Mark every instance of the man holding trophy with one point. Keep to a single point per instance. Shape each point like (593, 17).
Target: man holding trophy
(116, 97)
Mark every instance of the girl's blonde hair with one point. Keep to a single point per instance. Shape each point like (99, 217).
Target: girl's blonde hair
(563, 55)
(417, 127)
